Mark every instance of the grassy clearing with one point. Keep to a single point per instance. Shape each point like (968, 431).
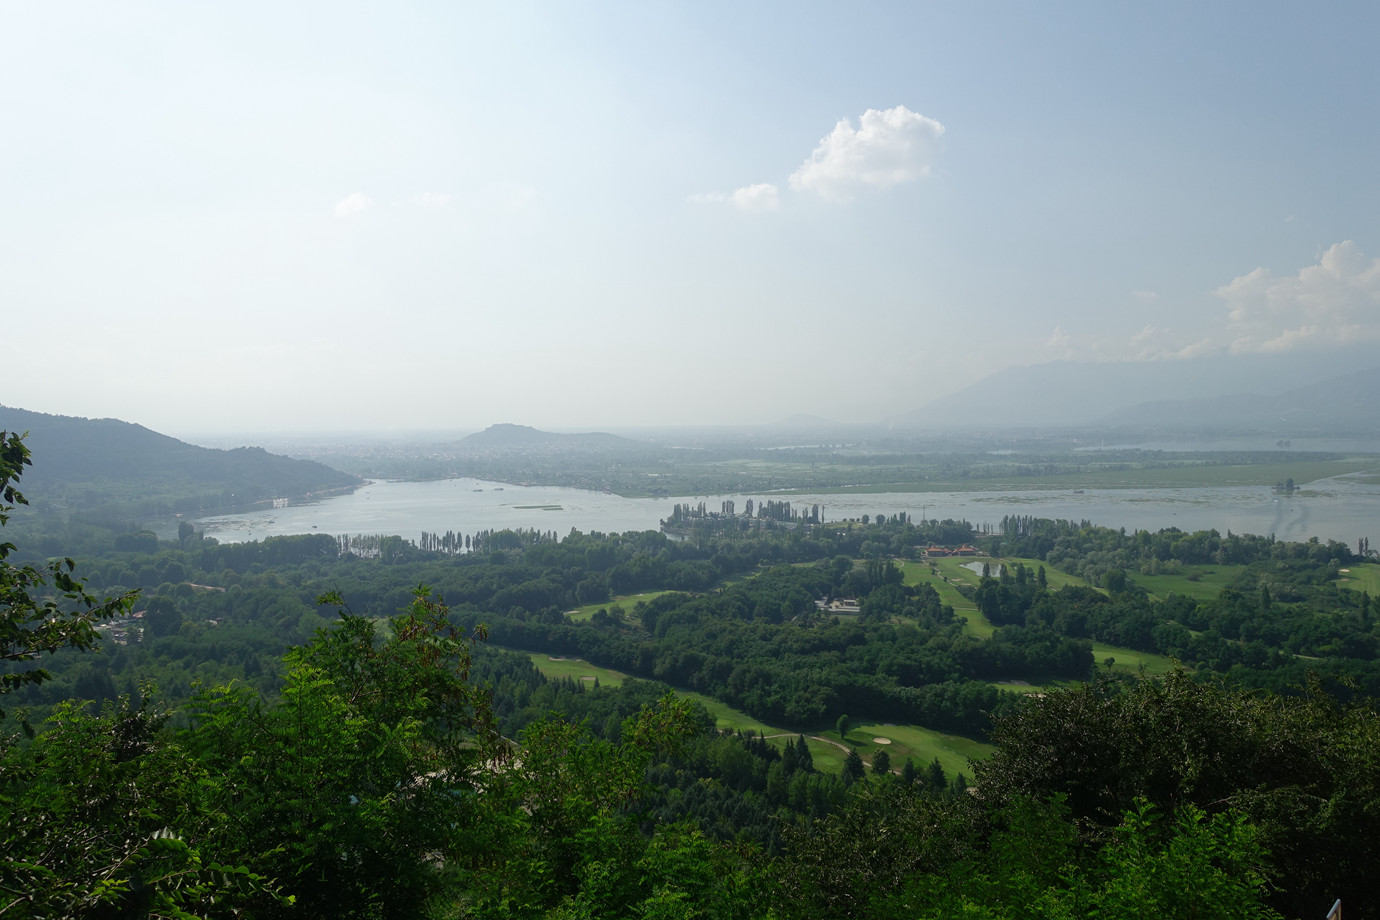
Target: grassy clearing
(1024, 686)
(626, 601)
(1130, 661)
(920, 744)
(726, 718)
(974, 623)
(1200, 582)
(916, 573)
(576, 669)
(1362, 577)
(1053, 577)
(826, 756)
(910, 740)
(957, 573)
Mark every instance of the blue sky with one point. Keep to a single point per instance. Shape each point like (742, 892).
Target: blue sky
(277, 217)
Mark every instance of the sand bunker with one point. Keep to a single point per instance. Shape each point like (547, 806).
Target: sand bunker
(881, 740)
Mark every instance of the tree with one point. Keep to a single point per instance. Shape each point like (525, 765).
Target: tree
(361, 784)
(1174, 867)
(842, 725)
(853, 765)
(1299, 768)
(42, 608)
(579, 849)
(934, 776)
(881, 763)
(102, 816)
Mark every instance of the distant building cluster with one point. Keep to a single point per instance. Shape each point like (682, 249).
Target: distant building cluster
(934, 552)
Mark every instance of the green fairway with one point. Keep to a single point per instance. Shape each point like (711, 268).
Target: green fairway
(916, 573)
(1053, 577)
(827, 757)
(1200, 582)
(1364, 576)
(574, 668)
(627, 601)
(920, 744)
(955, 569)
(726, 718)
(1025, 686)
(1130, 661)
(909, 740)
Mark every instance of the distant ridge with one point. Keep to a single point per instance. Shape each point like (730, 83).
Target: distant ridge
(122, 466)
(1066, 393)
(805, 420)
(1345, 403)
(506, 436)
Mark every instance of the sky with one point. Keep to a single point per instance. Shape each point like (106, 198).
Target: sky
(268, 217)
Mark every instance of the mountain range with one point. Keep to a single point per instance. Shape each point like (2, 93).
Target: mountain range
(1258, 392)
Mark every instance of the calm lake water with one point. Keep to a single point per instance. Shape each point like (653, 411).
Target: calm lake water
(1342, 508)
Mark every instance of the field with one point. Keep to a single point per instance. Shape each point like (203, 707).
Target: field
(1363, 577)
(921, 744)
(627, 602)
(922, 473)
(915, 573)
(1200, 582)
(574, 668)
(956, 571)
(909, 740)
(1129, 661)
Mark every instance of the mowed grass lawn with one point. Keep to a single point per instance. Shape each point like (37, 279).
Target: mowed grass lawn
(957, 572)
(1200, 582)
(916, 573)
(1364, 576)
(626, 601)
(1130, 661)
(575, 668)
(920, 744)
(913, 740)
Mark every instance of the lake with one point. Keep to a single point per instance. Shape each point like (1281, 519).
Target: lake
(1342, 508)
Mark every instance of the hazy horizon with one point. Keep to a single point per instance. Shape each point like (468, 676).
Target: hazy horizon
(435, 218)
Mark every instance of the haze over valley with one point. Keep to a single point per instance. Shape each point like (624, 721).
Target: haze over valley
(535, 461)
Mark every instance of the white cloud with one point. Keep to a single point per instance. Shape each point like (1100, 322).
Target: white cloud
(1059, 340)
(708, 198)
(889, 147)
(760, 197)
(1335, 302)
(763, 196)
(353, 205)
(1154, 343)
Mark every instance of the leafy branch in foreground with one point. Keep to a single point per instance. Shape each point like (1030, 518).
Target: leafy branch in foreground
(42, 608)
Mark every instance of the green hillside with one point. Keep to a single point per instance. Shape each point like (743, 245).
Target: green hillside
(113, 469)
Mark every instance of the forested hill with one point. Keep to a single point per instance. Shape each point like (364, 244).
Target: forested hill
(106, 466)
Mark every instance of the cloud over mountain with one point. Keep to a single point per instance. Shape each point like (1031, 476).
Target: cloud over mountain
(1335, 302)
